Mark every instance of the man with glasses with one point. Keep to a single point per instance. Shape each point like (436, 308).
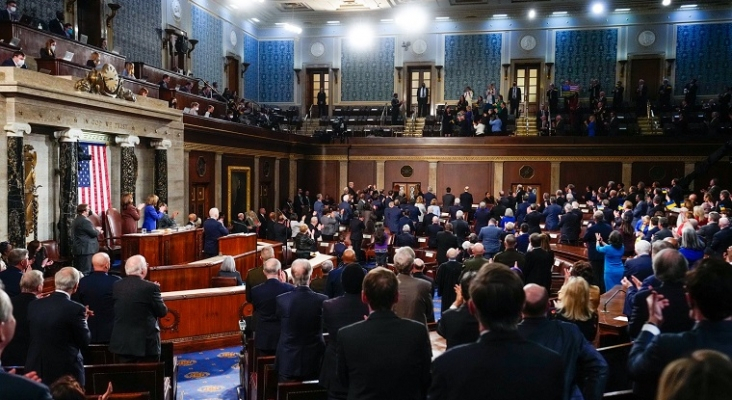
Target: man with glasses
(84, 239)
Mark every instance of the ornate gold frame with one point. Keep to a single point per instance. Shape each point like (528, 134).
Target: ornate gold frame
(229, 173)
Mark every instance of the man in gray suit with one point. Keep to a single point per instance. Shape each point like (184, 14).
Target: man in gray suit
(84, 239)
(415, 297)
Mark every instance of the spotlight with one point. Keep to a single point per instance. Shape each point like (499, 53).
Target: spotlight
(666, 2)
(598, 8)
(532, 14)
(361, 36)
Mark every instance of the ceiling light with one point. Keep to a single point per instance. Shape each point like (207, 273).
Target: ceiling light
(280, 23)
(333, 22)
(500, 15)
(442, 18)
(255, 19)
(532, 14)
(559, 13)
(666, 2)
(688, 6)
(598, 8)
(361, 36)
(412, 19)
(387, 20)
(292, 28)
(619, 10)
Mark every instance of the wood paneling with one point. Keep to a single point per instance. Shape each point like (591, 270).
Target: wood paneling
(208, 162)
(662, 172)
(541, 175)
(457, 175)
(362, 173)
(583, 174)
(265, 191)
(198, 275)
(321, 177)
(392, 173)
(721, 170)
(235, 161)
(164, 248)
(284, 183)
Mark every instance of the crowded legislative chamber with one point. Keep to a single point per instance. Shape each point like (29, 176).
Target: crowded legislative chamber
(274, 112)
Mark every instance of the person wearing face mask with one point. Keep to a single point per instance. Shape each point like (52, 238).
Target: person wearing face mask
(18, 60)
(94, 61)
(9, 13)
(194, 108)
(69, 30)
(49, 51)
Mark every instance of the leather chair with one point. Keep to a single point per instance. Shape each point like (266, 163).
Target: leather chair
(96, 221)
(53, 253)
(113, 231)
(222, 281)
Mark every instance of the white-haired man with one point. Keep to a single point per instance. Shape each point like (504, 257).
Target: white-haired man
(255, 276)
(137, 306)
(31, 285)
(213, 229)
(415, 299)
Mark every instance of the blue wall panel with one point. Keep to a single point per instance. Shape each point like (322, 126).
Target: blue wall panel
(276, 61)
(208, 56)
(472, 60)
(368, 75)
(704, 52)
(584, 55)
(251, 77)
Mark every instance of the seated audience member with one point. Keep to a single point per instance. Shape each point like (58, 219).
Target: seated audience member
(48, 52)
(364, 348)
(17, 60)
(498, 365)
(94, 61)
(457, 325)
(300, 311)
(228, 269)
(193, 109)
(337, 313)
(95, 292)
(31, 285)
(209, 112)
(574, 306)
(16, 386)
(143, 92)
(165, 83)
(56, 25)
(129, 70)
(669, 267)
(265, 307)
(709, 293)
(193, 221)
(415, 298)
(187, 87)
(17, 264)
(705, 374)
(585, 370)
(318, 284)
(68, 388)
(69, 31)
(448, 276)
(538, 263)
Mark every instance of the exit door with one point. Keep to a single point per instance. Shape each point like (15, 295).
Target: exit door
(527, 79)
(418, 76)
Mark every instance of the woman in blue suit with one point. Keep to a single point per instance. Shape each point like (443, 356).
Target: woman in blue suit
(152, 215)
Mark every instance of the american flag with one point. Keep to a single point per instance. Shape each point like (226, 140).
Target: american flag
(94, 178)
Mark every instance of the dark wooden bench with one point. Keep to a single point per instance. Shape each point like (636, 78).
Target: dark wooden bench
(617, 361)
(310, 390)
(127, 378)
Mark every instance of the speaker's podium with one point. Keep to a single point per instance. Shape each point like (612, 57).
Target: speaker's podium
(164, 247)
(238, 243)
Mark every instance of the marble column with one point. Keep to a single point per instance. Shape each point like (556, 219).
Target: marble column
(161, 168)
(380, 175)
(69, 185)
(688, 169)
(556, 168)
(498, 178)
(128, 166)
(220, 176)
(432, 176)
(277, 194)
(343, 178)
(626, 173)
(16, 183)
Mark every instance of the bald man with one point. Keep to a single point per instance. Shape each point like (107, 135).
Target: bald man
(95, 292)
(580, 357)
(477, 261)
(448, 275)
(334, 287)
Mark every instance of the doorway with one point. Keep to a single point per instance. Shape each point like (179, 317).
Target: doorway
(527, 79)
(317, 79)
(648, 69)
(199, 201)
(410, 189)
(417, 76)
(232, 74)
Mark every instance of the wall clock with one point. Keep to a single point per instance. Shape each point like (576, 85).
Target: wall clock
(317, 49)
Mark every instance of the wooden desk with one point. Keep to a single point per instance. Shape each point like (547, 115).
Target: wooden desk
(203, 319)
(185, 99)
(135, 85)
(316, 262)
(569, 253)
(61, 67)
(198, 274)
(608, 324)
(237, 243)
(164, 248)
(154, 75)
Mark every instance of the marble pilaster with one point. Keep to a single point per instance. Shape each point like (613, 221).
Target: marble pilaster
(69, 184)
(16, 183)
(161, 168)
(128, 166)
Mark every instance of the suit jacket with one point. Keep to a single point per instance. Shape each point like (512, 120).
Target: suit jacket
(84, 236)
(448, 275)
(58, 333)
(415, 299)
(255, 277)
(538, 268)
(19, 387)
(301, 346)
(17, 350)
(318, 284)
(57, 27)
(466, 201)
(95, 291)
(706, 233)
(534, 220)
(212, 231)
(722, 240)
(444, 241)
(461, 229)
(454, 209)
(458, 326)
(47, 54)
(137, 307)
(383, 339)
(431, 231)
(604, 230)
(510, 257)
(474, 264)
(337, 313)
(514, 97)
(448, 199)
(583, 365)
(490, 236)
(663, 234)
(675, 315)
(11, 280)
(496, 367)
(651, 353)
(265, 307)
(405, 239)
(551, 215)
(130, 216)
(570, 226)
(641, 267)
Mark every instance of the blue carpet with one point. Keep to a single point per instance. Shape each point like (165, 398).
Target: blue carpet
(212, 374)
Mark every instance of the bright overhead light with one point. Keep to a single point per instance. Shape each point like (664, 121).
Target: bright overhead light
(500, 15)
(413, 19)
(666, 2)
(387, 20)
(598, 8)
(532, 14)
(688, 6)
(619, 10)
(442, 18)
(333, 22)
(255, 19)
(292, 28)
(559, 13)
(361, 36)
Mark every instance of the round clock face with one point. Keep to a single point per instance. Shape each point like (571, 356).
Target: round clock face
(317, 49)
(175, 6)
(646, 38)
(419, 46)
(232, 38)
(528, 42)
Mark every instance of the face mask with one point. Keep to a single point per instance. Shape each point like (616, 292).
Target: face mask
(69, 31)
(53, 48)
(13, 9)
(20, 63)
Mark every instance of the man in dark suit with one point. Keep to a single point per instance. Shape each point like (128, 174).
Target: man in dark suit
(255, 276)
(300, 311)
(431, 231)
(585, 370)
(446, 240)
(460, 226)
(415, 299)
(334, 286)
(723, 238)
(84, 239)
(165, 82)
(670, 266)
(510, 256)
(337, 313)
(58, 331)
(663, 230)
(95, 292)
(18, 263)
(706, 232)
(454, 208)
(31, 285)
(533, 219)
(322, 105)
(10, 11)
(476, 262)
(278, 230)
(448, 199)
(262, 217)
(137, 307)
(639, 266)
(318, 284)
(482, 215)
(365, 347)
(213, 229)
(641, 97)
(418, 272)
(514, 98)
(448, 275)
(539, 263)
(497, 365)
(422, 98)
(15, 386)
(466, 201)
(265, 307)
(56, 25)
(406, 238)
(457, 325)
(709, 293)
(551, 215)
(596, 258)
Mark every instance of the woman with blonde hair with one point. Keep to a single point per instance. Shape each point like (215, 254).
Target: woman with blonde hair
(252, 221)
(304, 242)
(151, 213)
(129, 70)
(574, 306)
(705, 375)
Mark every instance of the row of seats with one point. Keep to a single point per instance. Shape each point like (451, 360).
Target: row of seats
(357, 111)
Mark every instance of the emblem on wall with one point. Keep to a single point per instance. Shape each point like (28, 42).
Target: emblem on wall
(526, 172)
(646, 38)
(528, 42)
(317, 49)
(407, 171)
